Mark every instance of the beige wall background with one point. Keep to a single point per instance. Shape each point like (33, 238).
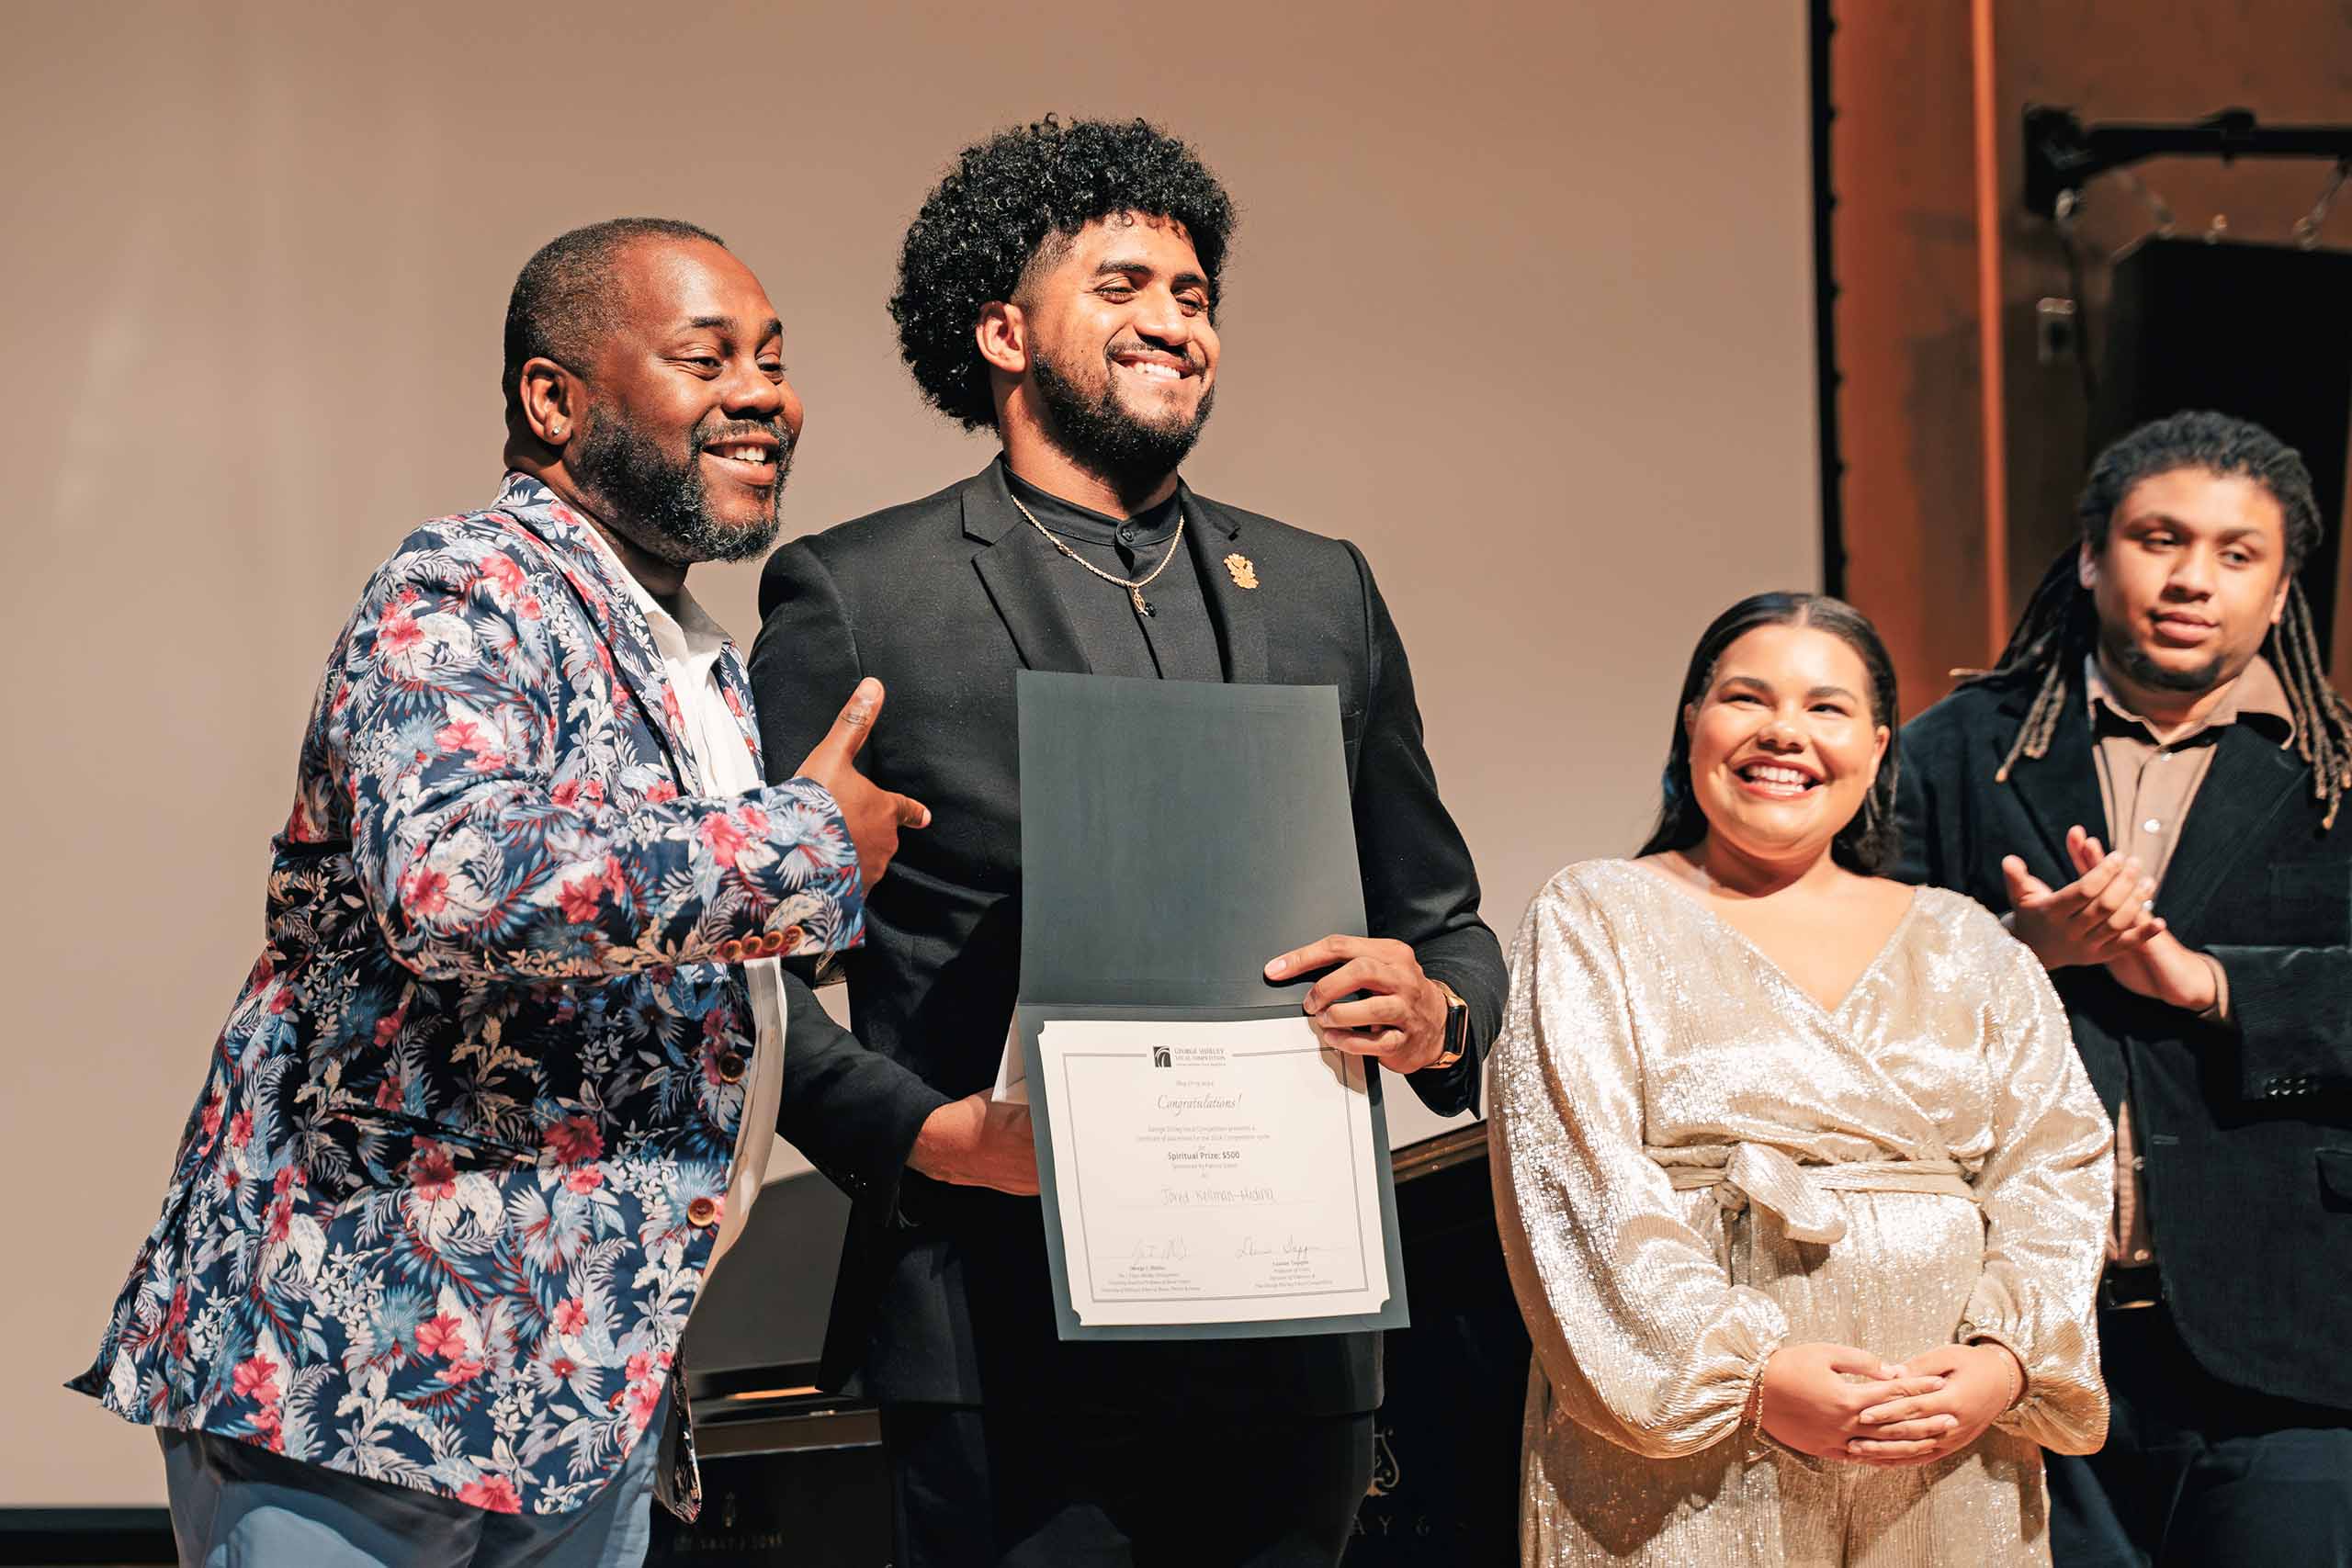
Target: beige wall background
(1520, 301)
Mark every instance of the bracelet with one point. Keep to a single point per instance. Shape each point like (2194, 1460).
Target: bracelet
(1754, 1438)
(2013, 1367)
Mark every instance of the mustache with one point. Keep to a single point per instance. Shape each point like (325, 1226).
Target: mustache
(743, 429)
(1194, 360)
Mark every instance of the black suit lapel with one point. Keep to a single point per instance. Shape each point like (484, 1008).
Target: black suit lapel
(1013, 566)
(2058, 791)
(1219, 562)
(2251, 779)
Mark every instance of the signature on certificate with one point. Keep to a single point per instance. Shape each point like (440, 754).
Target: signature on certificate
(1290, 1248)
(1257, 1194)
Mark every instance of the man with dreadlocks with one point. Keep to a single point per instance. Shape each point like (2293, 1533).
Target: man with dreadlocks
(2147, 785)
(1059, 291)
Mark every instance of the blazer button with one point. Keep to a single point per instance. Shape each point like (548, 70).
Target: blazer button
(731, 1068)
(788, 940)
(702, 1212)
(731, 952)
(772, 943)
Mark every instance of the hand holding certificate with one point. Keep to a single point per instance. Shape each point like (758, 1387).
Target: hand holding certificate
(1211, 1165)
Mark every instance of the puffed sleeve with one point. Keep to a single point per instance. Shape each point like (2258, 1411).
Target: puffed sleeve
(1643, 1336)
(2047, 1190)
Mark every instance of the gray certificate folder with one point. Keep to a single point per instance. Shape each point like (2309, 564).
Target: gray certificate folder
(1175, 835)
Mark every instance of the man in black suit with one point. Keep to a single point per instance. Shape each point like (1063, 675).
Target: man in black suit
(1060, 288)
(2147, 787)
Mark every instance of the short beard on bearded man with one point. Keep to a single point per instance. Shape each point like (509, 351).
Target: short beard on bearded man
(1101, 436)
(661, 506)
(2132, 659)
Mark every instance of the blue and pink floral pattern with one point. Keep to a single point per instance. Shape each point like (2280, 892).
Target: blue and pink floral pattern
(449, 1189)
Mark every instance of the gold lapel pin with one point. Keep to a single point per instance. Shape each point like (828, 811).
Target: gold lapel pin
(1245, 575)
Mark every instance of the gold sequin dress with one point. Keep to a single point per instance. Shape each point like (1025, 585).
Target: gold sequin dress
(1696, 1163)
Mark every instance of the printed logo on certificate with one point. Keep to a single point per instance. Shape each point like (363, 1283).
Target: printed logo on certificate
(1213, 1171)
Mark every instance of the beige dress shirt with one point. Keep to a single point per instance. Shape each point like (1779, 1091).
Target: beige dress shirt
(2147, 783)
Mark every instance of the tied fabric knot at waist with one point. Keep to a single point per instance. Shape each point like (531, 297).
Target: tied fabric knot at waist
(1799, 1195)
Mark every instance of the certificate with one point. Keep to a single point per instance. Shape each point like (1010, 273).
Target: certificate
(1208, 1169)
(1213, 1169)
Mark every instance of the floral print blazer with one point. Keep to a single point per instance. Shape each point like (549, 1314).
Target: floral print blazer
(449, 1189)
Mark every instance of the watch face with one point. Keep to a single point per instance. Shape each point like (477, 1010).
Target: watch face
(1457, 1028)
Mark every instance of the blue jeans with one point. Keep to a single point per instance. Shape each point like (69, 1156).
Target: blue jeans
(237, 1506)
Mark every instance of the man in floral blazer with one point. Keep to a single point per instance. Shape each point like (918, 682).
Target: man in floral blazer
(463, 1150)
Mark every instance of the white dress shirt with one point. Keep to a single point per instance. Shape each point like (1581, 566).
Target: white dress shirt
(689, 642)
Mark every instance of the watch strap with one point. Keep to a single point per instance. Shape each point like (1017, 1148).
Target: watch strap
(1457, 1026)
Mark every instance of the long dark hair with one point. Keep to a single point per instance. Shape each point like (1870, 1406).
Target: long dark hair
(1869, 841)
(2060, 627)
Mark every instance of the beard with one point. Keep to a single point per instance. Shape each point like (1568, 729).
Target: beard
(2134, 662)
(1099, 434)
(662, 506)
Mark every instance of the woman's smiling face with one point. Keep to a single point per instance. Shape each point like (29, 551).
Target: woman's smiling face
(1784, 743)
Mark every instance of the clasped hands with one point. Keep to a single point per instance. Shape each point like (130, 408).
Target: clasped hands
(1398, 1020)
(1913, 1412)
(2106, 915)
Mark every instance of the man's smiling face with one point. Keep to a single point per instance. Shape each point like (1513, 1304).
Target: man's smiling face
(1123, 354)
(689, 426)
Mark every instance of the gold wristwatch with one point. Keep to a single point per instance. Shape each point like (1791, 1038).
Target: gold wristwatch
(1457, 1025)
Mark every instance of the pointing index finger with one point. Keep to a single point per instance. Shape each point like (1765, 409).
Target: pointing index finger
(1314, 955)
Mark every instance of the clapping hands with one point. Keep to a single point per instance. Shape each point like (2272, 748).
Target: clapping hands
(2107, 916)
(2104, 914)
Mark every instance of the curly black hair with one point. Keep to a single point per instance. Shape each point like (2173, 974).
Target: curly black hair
(1009, 198)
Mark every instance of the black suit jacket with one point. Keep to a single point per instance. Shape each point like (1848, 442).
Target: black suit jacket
(2246, 1128)
(944, 1293)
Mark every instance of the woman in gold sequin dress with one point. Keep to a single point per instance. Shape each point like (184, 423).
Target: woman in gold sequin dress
(1802, 1187)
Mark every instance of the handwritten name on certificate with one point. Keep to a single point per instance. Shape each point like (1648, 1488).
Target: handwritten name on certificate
(1213, 1171)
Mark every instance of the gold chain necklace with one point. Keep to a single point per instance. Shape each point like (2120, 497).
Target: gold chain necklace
(1135, 586)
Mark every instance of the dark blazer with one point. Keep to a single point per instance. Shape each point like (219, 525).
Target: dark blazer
(943, 1292)
(2246, 1128)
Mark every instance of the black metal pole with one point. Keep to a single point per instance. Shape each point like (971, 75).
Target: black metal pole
(1827, 379)
(2062, 153)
